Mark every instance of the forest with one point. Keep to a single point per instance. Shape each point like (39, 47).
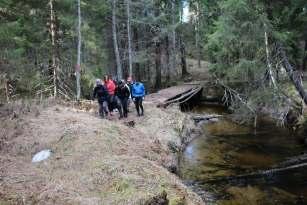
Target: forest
(48, 46)
(249, 54)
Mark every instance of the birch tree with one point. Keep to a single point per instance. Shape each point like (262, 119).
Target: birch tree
(52, 30)
(78, 66)
(268, 58)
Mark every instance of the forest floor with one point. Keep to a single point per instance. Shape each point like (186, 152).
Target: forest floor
(93, 160)
(198, 73)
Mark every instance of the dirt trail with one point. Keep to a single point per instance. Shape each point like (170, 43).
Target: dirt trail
(94, 161)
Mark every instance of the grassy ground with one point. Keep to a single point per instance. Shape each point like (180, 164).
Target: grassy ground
(94, 161)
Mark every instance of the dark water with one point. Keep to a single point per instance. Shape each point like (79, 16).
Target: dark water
(228, 149)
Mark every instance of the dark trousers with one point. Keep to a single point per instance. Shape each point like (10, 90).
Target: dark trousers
(103, 108)
(114, 102)
(139, 104)
(124, 102)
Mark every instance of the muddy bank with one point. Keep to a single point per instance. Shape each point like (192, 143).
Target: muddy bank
(93, 161)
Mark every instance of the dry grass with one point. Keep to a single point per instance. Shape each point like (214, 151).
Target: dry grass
(94, 161)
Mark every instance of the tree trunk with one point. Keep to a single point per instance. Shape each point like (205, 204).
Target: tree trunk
(158, 65)
(173, 42)
(78, 66)
(304, 65)
(268, 58)
(181, 7)
(168, 70)
(115, 43)
(53, 50)
(183, 59)
(197, 41)
(137, 49)
(7, 92)
(294, 76)
(197, 45)
(129, 37)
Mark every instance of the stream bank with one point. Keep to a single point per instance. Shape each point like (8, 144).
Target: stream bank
(93, 160)
(228, 149)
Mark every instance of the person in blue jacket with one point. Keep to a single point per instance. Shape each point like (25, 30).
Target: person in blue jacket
(138, 95)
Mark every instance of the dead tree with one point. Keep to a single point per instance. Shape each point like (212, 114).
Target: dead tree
(294, 75)
(231, 95)
(54, 57)
(268, 58)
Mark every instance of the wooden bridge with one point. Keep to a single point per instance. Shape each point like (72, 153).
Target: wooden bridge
(176, 94)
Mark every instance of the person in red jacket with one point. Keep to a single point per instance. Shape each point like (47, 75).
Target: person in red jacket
(109, 83)
(114, 101)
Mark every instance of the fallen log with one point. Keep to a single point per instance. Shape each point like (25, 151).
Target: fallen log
(262, 174)
(293, 161)
(199, 118)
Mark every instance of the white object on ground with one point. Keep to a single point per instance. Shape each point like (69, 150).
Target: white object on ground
(42, 155)
(214, 120)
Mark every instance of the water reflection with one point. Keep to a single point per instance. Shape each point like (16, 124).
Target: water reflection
(229, 149)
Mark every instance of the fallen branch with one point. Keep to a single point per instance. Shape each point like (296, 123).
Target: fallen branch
(234, 93)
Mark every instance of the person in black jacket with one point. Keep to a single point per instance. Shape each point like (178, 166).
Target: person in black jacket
(102, 94)
(123, 94)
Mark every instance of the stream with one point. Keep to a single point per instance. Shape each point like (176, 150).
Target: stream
(228, 149)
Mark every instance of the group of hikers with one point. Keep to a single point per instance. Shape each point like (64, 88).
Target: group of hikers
(112, 94)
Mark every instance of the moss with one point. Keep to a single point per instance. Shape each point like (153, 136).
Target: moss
(177, 201)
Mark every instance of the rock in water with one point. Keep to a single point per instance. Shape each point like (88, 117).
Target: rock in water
(42, 155)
